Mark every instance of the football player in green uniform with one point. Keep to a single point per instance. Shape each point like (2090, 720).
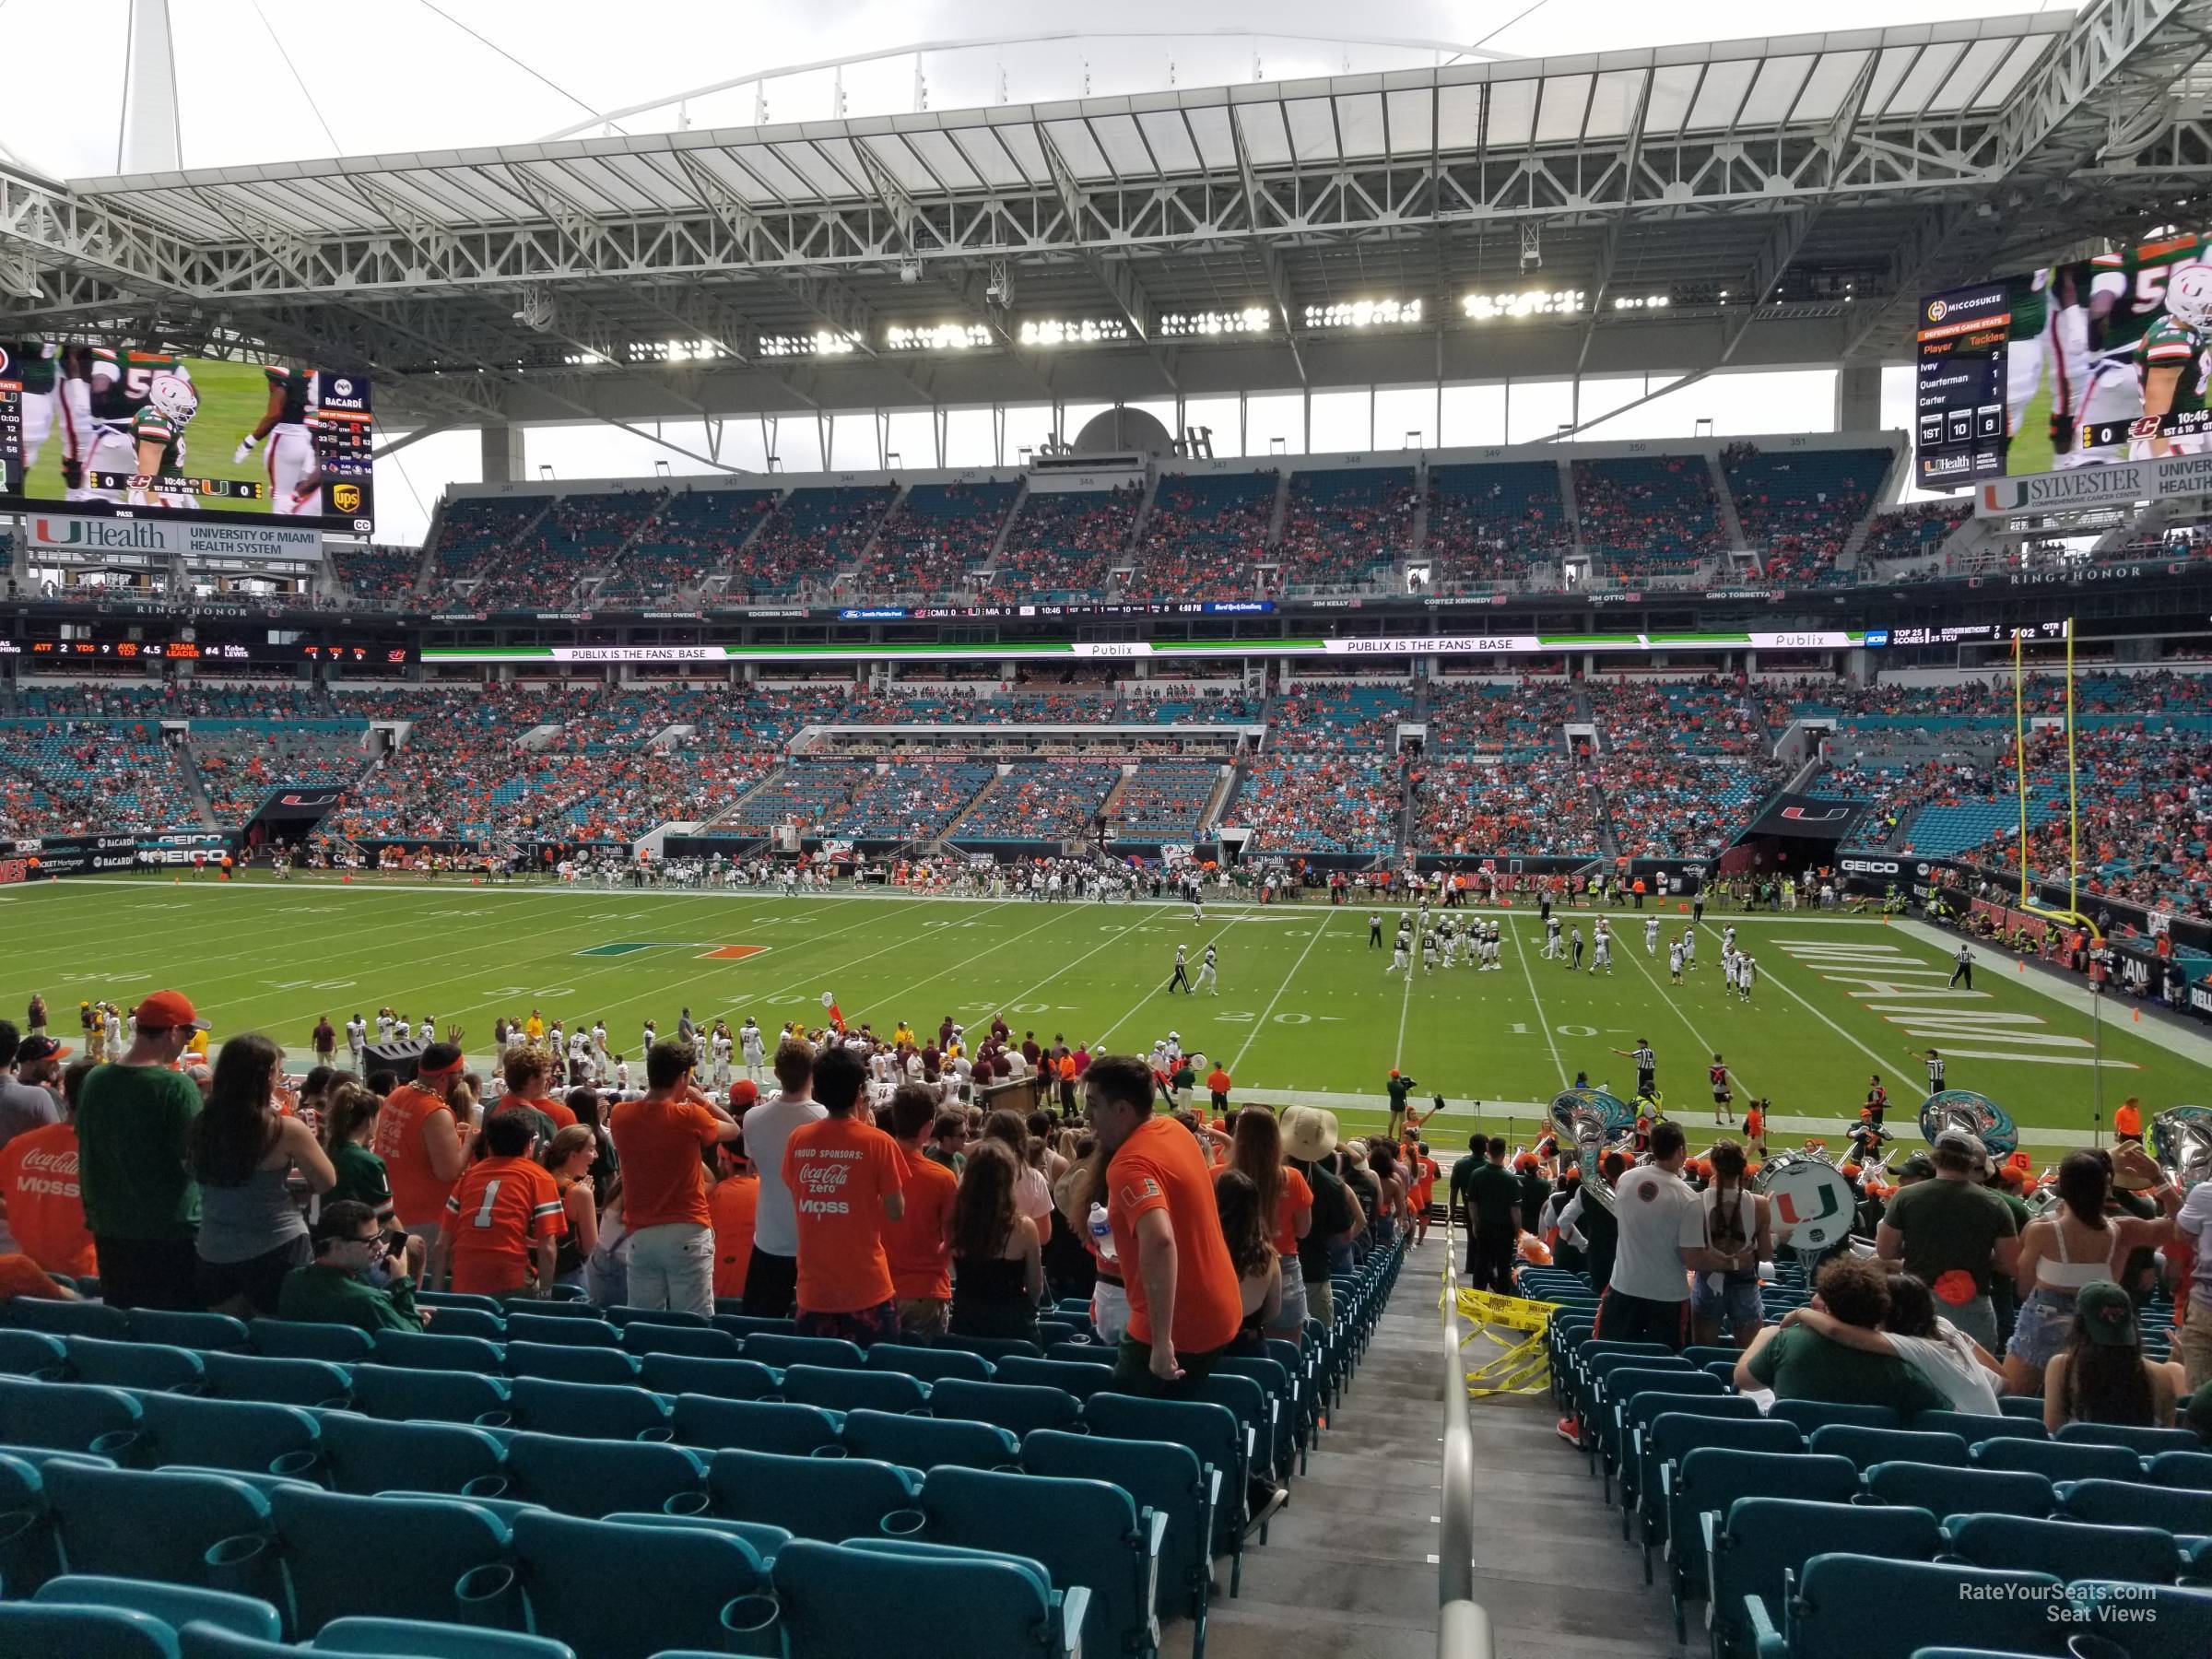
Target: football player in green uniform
(2127, 294)
(2169, 363)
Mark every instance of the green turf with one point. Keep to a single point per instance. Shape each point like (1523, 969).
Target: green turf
(1305, 1007)
(233, 397)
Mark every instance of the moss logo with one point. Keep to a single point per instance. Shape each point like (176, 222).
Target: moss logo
(1938, 310)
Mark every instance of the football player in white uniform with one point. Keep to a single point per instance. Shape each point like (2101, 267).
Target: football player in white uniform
(295, 476)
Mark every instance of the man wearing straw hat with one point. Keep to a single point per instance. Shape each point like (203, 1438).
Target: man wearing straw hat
(1310, 1148)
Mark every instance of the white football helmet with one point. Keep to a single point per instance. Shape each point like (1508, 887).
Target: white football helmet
(2189, 296)
(177, 400)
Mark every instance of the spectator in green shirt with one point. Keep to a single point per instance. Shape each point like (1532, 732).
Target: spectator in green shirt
(1400, 1088)
(1952, 1234)
(142, 1205)
(348, 1123)
(1798, 1363)
(354, 1278)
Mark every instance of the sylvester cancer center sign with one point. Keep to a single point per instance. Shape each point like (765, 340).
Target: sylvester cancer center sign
(2122, 484)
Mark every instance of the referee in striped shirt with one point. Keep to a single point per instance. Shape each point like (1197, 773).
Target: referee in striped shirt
(1647, 1063)
(1934, 1062)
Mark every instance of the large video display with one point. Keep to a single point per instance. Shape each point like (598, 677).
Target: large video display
(141, 432)
(2072, 365)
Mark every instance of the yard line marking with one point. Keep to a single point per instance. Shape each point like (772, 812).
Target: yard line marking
(1148, 995)
(1268, 1011)
(1765, 972)
(1529, 974)
(1024, 994)
(1053, 915)
(1703, 1047)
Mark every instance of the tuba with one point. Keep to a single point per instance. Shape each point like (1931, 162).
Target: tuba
(2181, 1139)
(1977, 1115)
(1592, 1123)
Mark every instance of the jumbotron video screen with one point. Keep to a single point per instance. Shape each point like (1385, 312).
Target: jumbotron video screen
(141, 432)
(2099, 360)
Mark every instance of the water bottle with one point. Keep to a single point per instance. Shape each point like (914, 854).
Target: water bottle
(1101, 1232)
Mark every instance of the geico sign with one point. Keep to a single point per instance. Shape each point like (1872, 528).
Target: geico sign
(1869, 866)
(166, 856)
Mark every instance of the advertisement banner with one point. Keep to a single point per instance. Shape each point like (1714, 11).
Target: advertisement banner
(59, 533)
(1808, 815)
(2118, 484)
(39, 858)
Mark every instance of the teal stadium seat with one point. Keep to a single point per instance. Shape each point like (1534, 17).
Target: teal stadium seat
(175, 1605)
(1830, 1614)
(1944, 1491)
(618, 1590)
(1004, 1607)
(1763, 1541)
(826, 1498)
(2065, 1549)
(595, 1478)
(36, 1630)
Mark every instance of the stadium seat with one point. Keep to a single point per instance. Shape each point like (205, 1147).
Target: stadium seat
(587, 1409)
(1082, 1531)
(1975, 1428)
(70, 1318)
(1922, 1603)
(1710, 1479)
(931, 1365)
(781, 1351)
(1867, 1447)
(841, 1388)
(1014, 1406)
(302, 1339)
(595, 1477)
(421, 1548)
(420, 1639)
(826, 1498)
(561, 1329)
(1214, 1437)
(1082, 1381)
(2189, 1469)
(2180, 1619)
(557, 1363)
(625, 1591)
(918, 1442)
(645, 1336)
(399, 1392)
(149, 1524)
(622, 1315)
(364, 1455)
(244, 1435)
(33, 1354)
(1160, 1475)
(1763, 1539)
(2136, 1504)
(145, 1365)
(2059, 1460)
(36, 1630)
(1943, 1490)
(994, 1348)
(173, 1603)
(30, 1554)
(1672, 1437)
(1005, 1607)
(419, 1350)
(1639, 1463)
(467, 1322)
(205, 1332)
(2065, 1549)
(1812, 1416)
(2143, 1443)
(723, 1378)
(776, 1426)
(277, 1382)
(67, 1417)
(765, 1540)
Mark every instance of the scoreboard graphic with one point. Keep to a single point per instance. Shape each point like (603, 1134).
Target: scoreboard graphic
(125, 432)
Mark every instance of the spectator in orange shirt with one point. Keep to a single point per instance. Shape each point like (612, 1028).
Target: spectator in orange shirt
(732, 1207)
(918, 1244)
(1286, 1201)
(1217, 1084)
(504, 1220)
(528, 1074)
(422, 1142)
(657, 1142)
(38, 1185)
(2128, 1122)
(1184, 1304)
(846, 1181)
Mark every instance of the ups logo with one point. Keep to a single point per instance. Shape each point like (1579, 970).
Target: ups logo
(345, 498)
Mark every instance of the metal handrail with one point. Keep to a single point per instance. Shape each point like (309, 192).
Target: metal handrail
(1463, 1624)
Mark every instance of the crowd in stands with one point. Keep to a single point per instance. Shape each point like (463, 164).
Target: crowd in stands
(1164, 801)
(1799, 507)
(911, 800)
(933, 537)
(1911, 532)
(692, 537)
(544, 568)
(1054, 801)
(1465, 716)
(815, 533)
(241, 761)
(1205, 535)
(471, 536)
(1313, 800)
(1339, 526)
(375, 575)
(1663, 803)
(1530, 805)
(1065, 542)
(1644, 717)
(1486, 522)
(1647, 516)
(67, 777)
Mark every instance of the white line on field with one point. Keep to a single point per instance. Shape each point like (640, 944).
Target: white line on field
(1817, 1014)
(1705, 1047)
(1148, 995)
(1266, 1013)
(1528, 973)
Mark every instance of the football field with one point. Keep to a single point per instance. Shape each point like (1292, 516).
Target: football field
(1306, 1009)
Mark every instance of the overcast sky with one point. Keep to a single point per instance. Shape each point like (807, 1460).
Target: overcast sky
(280, 79)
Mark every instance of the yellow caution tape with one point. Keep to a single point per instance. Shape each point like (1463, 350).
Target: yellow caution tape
(1515, 1312)
(1524, 1367)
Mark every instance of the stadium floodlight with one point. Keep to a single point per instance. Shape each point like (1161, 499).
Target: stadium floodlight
(1641, 302)
(1533, 302)
(942, 337)
(1250, 320)
(821, 343)
(1363, 314)
(1073, 330)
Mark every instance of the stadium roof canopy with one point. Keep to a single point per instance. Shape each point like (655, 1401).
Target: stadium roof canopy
(1676, 209)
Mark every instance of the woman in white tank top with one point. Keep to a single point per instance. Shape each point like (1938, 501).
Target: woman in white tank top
(2072, 1245)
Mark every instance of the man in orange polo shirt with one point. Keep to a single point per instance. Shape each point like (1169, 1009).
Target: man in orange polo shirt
(919, 1244)
(1185, 1305)
(424, 1149)
(657, 1141)
(847, 1181)
(734, 1202)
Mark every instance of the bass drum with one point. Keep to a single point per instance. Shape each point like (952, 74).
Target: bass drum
(1810, 1205)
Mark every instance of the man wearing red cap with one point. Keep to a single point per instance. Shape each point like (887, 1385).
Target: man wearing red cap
(424, 1149)
(141, 1201)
